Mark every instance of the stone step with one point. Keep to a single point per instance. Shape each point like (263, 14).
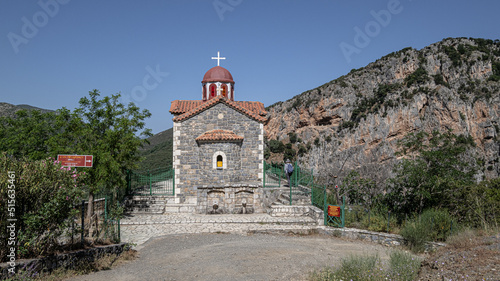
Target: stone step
(289, 211)
(297, 199)
(146, 210)
(180, 208)
(145, 202)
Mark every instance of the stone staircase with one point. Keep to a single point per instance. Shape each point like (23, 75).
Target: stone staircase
(146, 204)
(300, 197)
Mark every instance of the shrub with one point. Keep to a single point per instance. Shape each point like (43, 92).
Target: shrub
(438, 222)
(417, 77)
(439, 80)
(316, 142)
(302, 150)
(431, 225)
(402, 266)
(465, 238)
(45, 194)
(484, 208)
(416, 235)
(376, 220)
(276, 146)
(289, 154)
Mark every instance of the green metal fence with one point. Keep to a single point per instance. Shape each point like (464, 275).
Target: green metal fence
(335, 214)
(275, 175)
(334, 211)
(160, 181)
(302, 177)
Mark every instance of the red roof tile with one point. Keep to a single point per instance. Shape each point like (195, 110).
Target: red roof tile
(219, 135)
(184, 109)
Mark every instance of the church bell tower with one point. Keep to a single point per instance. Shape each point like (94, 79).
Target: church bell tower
(218, 81)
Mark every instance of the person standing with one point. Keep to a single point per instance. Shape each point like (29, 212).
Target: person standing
(288, 171)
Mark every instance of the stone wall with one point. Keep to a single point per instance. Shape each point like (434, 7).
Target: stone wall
(230, 199)
(244, 160)
(72, 260)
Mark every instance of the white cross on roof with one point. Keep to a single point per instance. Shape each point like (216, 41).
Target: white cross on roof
(218, 58)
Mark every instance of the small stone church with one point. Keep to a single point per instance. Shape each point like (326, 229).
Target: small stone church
(218, 148)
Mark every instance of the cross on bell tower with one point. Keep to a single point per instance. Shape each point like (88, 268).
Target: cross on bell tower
(218, 58)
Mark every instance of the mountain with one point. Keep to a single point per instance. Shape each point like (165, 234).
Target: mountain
(9, 110)
(356, 120)
(158, 153)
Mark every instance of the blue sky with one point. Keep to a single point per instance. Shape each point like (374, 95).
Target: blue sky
(53, 52)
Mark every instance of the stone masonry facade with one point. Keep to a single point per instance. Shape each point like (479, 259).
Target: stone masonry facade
(193, 161)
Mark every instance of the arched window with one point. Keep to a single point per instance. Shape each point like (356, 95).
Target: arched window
(204, 92)
(224, 90)
(232, 92)
(213, 89)
(219, 161)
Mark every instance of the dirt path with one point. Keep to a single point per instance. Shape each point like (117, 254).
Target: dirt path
(235, 257)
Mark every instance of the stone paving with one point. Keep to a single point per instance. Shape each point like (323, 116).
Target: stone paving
(138, 229)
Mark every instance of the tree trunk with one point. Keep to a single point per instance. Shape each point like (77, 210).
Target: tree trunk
(90, 213)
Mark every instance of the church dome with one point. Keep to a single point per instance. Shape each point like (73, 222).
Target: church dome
(218, 74)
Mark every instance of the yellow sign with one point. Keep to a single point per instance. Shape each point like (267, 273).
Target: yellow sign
(219, 164)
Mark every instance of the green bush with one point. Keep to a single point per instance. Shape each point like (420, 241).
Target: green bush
(416, 234)
(289, 154)
(293, 137)
(402, 267)
(438, 222)
(45, 194)
(431, 225)
(484, 208)
(276, 146)
(418, 77)
(377, 220)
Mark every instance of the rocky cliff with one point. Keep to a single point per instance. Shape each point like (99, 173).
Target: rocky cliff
(357, 119)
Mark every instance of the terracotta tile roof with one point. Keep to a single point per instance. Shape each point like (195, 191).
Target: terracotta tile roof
(184, 109)
(219, 135)
(182, 106)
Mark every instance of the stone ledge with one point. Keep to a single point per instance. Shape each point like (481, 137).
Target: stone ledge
(68, 260)
(386, 239)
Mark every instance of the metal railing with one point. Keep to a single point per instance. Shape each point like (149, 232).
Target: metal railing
(160, 181)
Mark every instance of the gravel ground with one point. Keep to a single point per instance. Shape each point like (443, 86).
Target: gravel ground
(235, 257)
(475, 262)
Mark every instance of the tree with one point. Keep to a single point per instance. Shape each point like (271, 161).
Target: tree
(38, 135)
(106, 129)
(27, 134)
(434, 167)
(362, 191)
(109, 131)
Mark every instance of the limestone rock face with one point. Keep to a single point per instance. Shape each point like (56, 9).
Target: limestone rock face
(359, 118)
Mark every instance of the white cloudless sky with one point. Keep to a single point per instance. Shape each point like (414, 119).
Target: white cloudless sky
(53, 52)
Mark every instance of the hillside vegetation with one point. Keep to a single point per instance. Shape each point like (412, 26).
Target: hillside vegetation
(158, 153)
(356, 120)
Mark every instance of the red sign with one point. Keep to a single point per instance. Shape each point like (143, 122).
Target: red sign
(334, 211)
(75, 160)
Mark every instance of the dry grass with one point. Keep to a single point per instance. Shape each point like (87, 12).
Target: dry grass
(468, 237)
(104, 263)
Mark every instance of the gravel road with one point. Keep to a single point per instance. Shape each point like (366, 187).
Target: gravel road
(235, 257)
